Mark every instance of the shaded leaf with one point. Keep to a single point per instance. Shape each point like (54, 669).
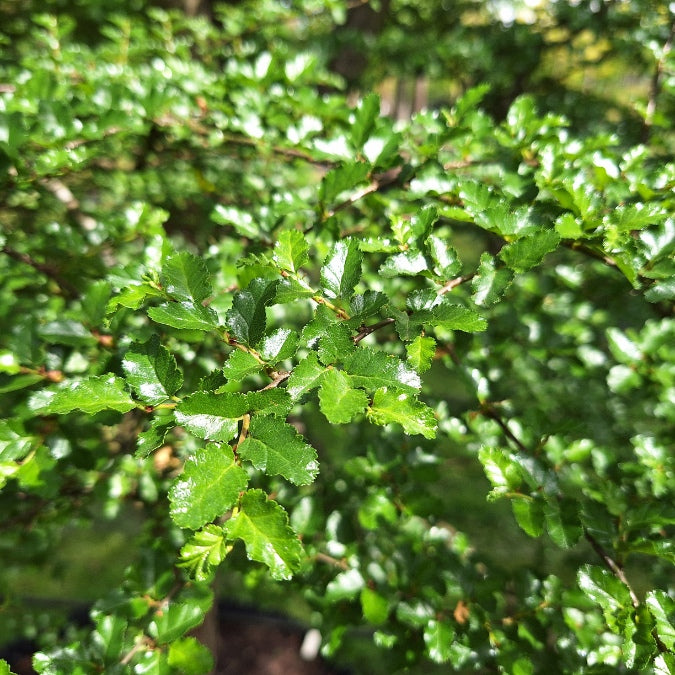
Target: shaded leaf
(153, 437)
(209, 485)
(246, 319)
(203, 551)
(438, 638)
(151, 371)
(345, 177)
(364, 120)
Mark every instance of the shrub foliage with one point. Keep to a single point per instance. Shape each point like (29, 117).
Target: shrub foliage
(286, 331)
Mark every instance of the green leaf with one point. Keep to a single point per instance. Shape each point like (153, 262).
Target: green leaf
(447, 262)
(241, 221)
(529, 514)
(364, 120)
(95, 301)
(90, 395)
(66, 332)
(662, 608)
(291, 250)
(175, 620)
(438, 638)
(527, 252)
(246, 319)
(562, 522)
(372, 369)
(661, 291)
(241, 364)
(489, 283)
(153, 437)
(450, 316)
(205, 550)
(502, 472)
(610, 593)
(209, 485)
(421, 352)
(185, 316)
(341, 270)
(15, 443)
(410, 263)
(344, 177)
(338, 400)
(275, 447)
(185, 277)
(151, 371)
(393, 405)
(374, 607)
(365, 305)
(263, 526)
(279, 345)
(109, 637)
(307, 375)
(189, 657)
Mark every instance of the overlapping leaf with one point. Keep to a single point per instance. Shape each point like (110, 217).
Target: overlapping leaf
(339, 401)
(396, 406)
(186, 278)
(246, 319)
(341, 270)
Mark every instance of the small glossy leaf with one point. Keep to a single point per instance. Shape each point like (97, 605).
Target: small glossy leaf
(66, 332)
(525, 253)
(409, 263)
(263, 526)
(15, 443)
(562, 522)
(451, 317)
(344, 586)
(365, 305)
(185, 316)
(662, 608)
(109, 637)
(338, 400)
(529, 514)
(90, 395)
(490, 282)
(185, 277)
(240, 364)
(209, 485)
(242, 221)
(364, 120)
(447, 262)
(175, 620)
(291, 250)
(307, 375)
(211, 416)
(278, 346)
(277, 448)
(341, 270)
(393, 405)
(438, 638)
(344, 177)
(152, 371)
(372, 369)
(246, 319)
(204, 550)
(421, 352)
(153, 437)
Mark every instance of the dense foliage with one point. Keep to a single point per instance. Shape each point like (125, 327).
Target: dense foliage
(290, 337)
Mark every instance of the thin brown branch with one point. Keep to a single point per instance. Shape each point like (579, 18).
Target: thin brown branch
(48, 270)
(278, 378)
(374, 186)
(656, 84)
(612, 565)
(453, 283)
(489, 411)
(324, 557)
(365, 331)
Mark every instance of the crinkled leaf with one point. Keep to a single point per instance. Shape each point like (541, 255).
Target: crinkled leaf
(277, 448)
(291, 250)
(204, 551)
(185, 277)
(262, 524)
(490, 282)
(601, 586)
(90, 395)
(338, 400)
(662, 608)
(372, 369)
(344, 177)
(335, 344)
(527, 252)
(279, 345)
(246, 319)
(153, 437)
(209, 485)
(341, 270)
(365, 305)
(184, 315)
(421, 352)
(240, 364)
(451, 317)
(392, 405)
(151, 371)
(409, 263)
(307, 375)
(446, 261)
